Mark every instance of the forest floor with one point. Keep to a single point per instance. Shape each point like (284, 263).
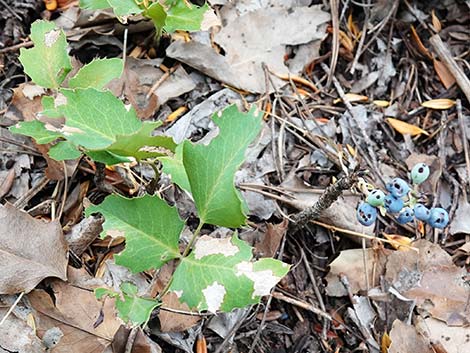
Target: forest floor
(353, 94)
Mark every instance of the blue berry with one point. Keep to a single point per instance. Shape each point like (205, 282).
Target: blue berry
(405, 216)
(439, 218)
(422, 212)
(393, 204)
(398, 187)
(419, 173)
(366, 214)
(376, 198)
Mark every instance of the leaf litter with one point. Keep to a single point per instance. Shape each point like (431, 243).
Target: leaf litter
(388, 98)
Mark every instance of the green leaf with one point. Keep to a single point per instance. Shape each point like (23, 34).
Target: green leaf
(48, 104)
(157, 14)
(94, 4)
(181, 17)
(151, 228)
(47, 63)
(94, 118)
(142, 145)
(64, 150)
(173, 166)
(133, 309)
(219, 275)
(124, 7)
(97, 74)
(106, 157)
(37, 130)
(211, 169)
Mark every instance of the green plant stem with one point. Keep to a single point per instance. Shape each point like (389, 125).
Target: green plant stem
(185, 253)
(193, 239)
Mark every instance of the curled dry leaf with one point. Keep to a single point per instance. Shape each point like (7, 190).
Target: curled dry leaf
(405, 128)
(435, 21)
(399, 241)
(30, 250)
(419, 44)
(444, 74)
(439, 104)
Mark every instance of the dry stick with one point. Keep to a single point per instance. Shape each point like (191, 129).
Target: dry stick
(131, 339)
(464, 139)
(335, 41)
(316, 290)
(23, 200)
(361, 40)
(330, 195)
(12, 308)
(373, 164)
(445, 55)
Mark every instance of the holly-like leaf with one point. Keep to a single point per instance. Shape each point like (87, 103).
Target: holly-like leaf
(64, 150)
(173, 166)
(219, 275)
(182, 17)
(142, 144)
(97, 73)
(151, 228)
(211, 169)
(47, 63)
(94, 118)
(37, 130)
(133, 309)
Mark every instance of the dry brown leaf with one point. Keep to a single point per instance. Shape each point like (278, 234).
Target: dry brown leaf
(351, 263)
(17, 336)
(380, 103)
(405, 338)
(142, 343)
(432, 280)
(399, 241)
(435, 21)
(87, 324)
(405, 128)
(268, 243)
(449, 339)
(444, 74)
(440, 104)
(353, 97)
(30, 250)
(173, 322)
(419, 44)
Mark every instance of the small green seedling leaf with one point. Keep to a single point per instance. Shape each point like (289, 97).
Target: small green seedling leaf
(132, 309)
(157, 14)
(142, 145)
(48, 104)
(37, 130)
(181, 17)
(219, 275)
(97, 74)
(47, 63)
(211, 169)
(173, 166)
(64, 150)
(124, 7)
(94, 118)
(94, 4)
(151, 228)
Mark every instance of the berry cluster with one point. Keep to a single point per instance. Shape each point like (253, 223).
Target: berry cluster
(401, 200)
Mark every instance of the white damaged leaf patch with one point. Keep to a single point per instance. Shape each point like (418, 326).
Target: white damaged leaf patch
(214, 296)
(219, 275)
(207, 245)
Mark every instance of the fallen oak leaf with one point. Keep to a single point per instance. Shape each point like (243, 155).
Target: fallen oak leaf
(30, 250)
